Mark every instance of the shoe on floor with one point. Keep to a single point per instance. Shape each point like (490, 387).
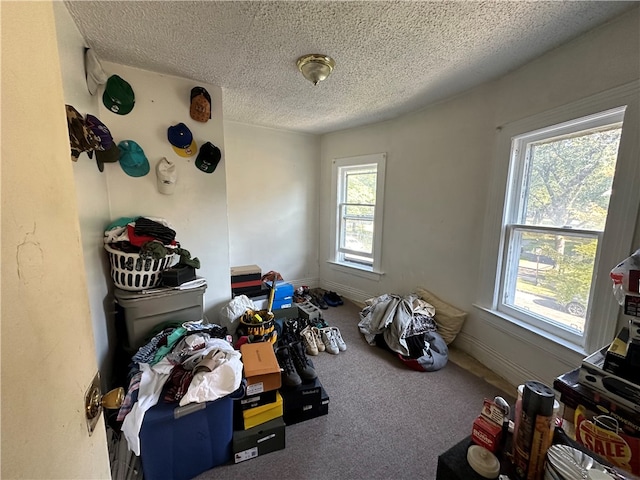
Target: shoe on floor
(329, 340)
(290, 377)
(301, 362)
(336, 298)
(309, 340)
(329, 300)
(318, 338)
(341, 345)
(319, 301)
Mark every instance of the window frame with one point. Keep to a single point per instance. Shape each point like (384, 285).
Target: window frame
(617, 238)
(514, 211)
(339, 168)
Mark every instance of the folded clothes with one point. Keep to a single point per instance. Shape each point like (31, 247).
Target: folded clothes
(151, 228)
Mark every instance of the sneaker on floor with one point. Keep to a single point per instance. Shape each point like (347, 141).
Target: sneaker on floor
(319, 301)
(336, 298)
(309, 340)
(329, 340)
(297, 298)
(290, 377)
(341, 345)
(301, 362)
(318, 338)
(329, 300)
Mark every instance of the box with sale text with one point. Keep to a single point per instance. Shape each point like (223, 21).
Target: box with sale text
(607, 429)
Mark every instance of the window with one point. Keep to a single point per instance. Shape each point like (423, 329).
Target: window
(556, 214)
(570, 207)
(358, 187)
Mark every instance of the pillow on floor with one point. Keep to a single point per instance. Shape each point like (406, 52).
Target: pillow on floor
(449, 319)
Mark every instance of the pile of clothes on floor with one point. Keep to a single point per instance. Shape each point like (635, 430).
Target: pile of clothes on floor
(181, 364)
(405, 326)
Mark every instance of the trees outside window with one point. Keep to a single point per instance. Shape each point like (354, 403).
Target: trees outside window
(558, 199)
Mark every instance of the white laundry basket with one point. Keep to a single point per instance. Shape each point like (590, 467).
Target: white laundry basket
(130, 271)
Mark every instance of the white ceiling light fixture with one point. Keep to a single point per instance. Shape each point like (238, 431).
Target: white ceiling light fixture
(315, 67)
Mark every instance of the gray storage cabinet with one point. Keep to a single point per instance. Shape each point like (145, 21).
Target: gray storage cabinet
(141, 313)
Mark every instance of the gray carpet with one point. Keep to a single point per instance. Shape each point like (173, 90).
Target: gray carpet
(385, 421)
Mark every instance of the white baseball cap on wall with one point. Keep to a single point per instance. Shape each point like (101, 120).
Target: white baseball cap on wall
(96, 76)
(167, 173)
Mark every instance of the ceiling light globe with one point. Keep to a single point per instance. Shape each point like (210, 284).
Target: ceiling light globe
(315, 67)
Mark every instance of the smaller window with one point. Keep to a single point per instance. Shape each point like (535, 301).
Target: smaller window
(358, 185)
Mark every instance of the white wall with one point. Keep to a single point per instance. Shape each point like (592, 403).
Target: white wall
(198, 208)
(91, 188)
(48, 357)
(438, 166)
(272, 191)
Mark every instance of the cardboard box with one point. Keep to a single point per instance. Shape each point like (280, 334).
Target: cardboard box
(246, 270)
(632, 305)
(634, 331)
(253, 401)
(290, 312)
(308, 393)
(621, 391)
(249, 277)
(261, 368)
(607, 429)
(248, 285)
(621, 358)
(308, 411)
(283, 289)
(573, 392)
(253, 417)
(486, 433)
(253, 442)
(279, 303)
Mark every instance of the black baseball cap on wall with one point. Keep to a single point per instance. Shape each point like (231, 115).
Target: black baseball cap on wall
(208, 157)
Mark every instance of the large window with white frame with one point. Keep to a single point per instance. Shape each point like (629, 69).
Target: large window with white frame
(358, 196)
(570, 206)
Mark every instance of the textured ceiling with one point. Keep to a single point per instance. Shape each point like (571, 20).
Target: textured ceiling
(391, 57)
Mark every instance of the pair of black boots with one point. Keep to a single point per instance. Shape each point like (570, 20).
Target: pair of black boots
(296, 367)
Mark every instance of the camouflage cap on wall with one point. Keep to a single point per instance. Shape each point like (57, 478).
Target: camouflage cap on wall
(81, 137)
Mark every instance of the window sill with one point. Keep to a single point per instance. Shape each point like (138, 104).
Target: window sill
(353, 270)
(556, 346)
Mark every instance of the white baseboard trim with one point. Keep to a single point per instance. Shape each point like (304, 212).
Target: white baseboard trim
(513, 373)
(351, 293)
(311, 282)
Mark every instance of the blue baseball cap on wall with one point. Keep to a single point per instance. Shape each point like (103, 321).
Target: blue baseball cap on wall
(132, 159)
(181, 139)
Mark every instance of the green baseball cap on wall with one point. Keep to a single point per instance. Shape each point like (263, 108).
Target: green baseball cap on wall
(118, 95)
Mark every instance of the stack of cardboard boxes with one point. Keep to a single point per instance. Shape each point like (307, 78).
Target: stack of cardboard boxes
(247, 280)
(261, 415)
(602, 398)
(259, 427)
